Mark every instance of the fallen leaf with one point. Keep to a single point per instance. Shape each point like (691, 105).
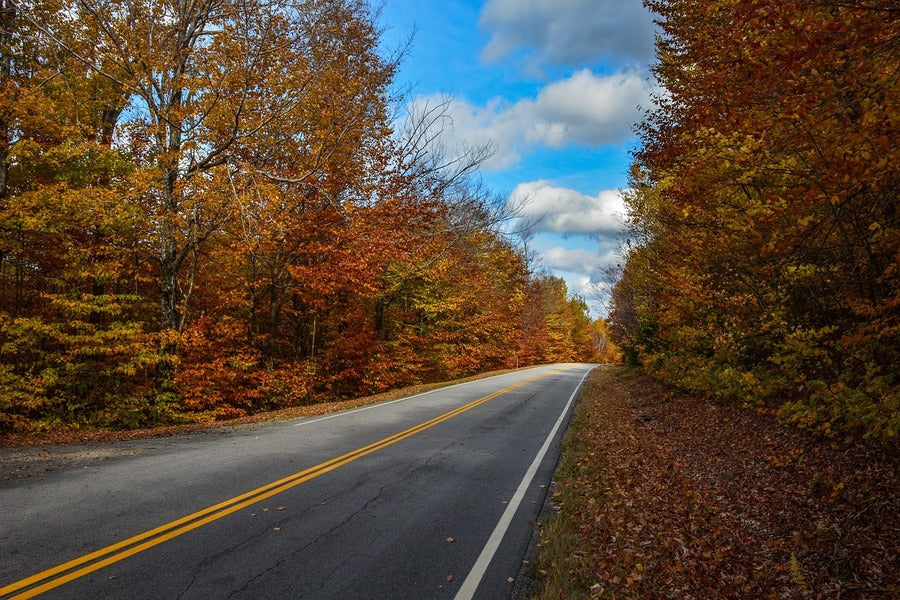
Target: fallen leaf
(451, 539)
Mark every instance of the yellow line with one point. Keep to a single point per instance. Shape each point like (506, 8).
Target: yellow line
(153, 537)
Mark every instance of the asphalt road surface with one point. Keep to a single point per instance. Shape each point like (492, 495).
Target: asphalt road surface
(430, 496)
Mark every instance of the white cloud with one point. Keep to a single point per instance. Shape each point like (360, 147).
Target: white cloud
(588, 109)
(576, 236)
(582, 109)
(575, 260)
(591, 228)
(548, 208)
(569, 32)
(594, 292)
(585, 271)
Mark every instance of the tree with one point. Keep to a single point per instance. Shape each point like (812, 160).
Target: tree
(72, 347)
(235, 165)
(765, 209)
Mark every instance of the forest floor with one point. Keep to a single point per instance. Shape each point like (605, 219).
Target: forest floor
(662, 494)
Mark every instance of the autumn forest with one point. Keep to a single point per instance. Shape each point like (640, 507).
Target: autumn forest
(211, 208)
(763, 211)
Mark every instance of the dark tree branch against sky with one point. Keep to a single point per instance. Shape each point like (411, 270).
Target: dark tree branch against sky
(559, 89)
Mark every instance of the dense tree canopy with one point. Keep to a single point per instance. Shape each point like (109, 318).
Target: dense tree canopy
(205, 210)
(764, 210)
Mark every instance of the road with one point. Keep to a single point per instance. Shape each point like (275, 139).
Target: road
(424, 497)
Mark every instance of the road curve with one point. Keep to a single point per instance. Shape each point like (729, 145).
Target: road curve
(429, 496)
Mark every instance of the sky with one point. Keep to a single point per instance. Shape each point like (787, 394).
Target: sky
(555, 87)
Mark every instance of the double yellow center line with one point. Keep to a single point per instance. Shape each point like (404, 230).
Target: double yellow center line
(83, 565)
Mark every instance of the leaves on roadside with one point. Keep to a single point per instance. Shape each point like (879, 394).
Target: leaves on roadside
(693, 505)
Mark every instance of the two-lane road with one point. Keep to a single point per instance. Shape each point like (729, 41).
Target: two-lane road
(429, 496)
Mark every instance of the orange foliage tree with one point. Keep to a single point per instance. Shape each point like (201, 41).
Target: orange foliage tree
(763, 205)
(206, 211)
(73, 290)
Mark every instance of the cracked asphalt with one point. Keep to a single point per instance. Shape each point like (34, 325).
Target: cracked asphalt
(407, 521)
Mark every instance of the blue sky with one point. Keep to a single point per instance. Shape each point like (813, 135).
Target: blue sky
(556, 87)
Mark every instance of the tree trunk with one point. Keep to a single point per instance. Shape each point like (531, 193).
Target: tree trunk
(7, 22)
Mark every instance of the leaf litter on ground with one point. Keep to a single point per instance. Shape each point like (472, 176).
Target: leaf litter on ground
(664, 494)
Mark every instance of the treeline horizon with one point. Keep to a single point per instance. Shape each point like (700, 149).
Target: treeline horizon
(207, 209)
(763, 266)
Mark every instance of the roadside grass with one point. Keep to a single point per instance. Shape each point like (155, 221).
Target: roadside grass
(558, 536)
(662, 494)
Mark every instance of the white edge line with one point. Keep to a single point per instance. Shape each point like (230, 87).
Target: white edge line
(467, 591)
(371, 406)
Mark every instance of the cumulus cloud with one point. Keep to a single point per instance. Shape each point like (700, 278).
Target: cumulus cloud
(575, 260)
(588, 109)
(591, 227)
(569, 32)
(581, 109)
(548, 208)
